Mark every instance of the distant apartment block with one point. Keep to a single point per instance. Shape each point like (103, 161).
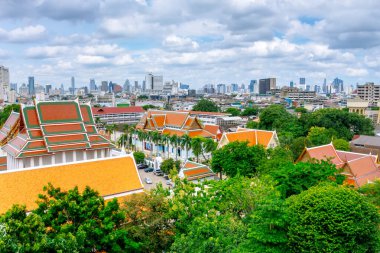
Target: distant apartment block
(369, 92)
(118, 115)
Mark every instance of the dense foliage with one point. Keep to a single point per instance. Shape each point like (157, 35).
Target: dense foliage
(139, 156)
(169, 164)
(206, 105)
(7, 111)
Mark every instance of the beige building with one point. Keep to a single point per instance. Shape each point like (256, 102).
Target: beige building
(357, 105)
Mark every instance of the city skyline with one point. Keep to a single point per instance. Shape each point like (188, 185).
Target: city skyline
(194, 43)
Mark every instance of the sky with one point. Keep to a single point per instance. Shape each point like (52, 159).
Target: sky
(190, 41)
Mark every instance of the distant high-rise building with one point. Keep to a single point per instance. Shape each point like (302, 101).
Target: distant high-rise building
(13, 86)
(291, 84)
(92, 85)
(337, 85)
(234, 87)
(221, 88)
(48, 89)
(104, 86)
(127, 86)
(307, 87)
(265, 85)
(143, 85)
(136, 85)
(4, 81)
(62, 89)
(252, 86)
(31, 90)
(154, 83)
(72, 85)
(23, 90)
(111, 87)
(324, 86)
(183, 86)
(302, 81)
(369, 92)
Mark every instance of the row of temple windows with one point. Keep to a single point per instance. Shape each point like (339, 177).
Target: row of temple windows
(65, 157)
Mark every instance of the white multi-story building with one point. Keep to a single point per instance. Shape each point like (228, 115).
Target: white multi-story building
(4, 82)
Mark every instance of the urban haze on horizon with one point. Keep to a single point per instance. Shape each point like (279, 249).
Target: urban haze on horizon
(193, 42)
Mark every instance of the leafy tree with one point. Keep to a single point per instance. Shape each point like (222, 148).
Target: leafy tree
(196, 146)
(168, 164)
(300, 110)
(233, 111)
(85, 219)
(298, 145)
(211, 233)
(142, 97)
(267, 226)
(149, 106)
(139, 156)
(237, 158)
(319, 136)
(277, 157)
(250, 111)
(205, 105)
(273, 117)
(185, 142)
(328, 218)
(209, 145)
(253, 124)
(148, 220)
(21, 232)
(295, 178)
(341, 144)
(372, 192)
(7, 111)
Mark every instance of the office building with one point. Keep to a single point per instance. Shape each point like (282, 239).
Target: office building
(92, 85)
(104, 86)
(127, 86)
(337, 85)
(72, 85)
(4, 81)
(24, 91)
(143, 85)
(234, 87)
(136, 85)
(369, 92)
(183, 86)
(154, 83)
(302, 81)
(31, 90)
(111, 87)
(265, 85)
(252, 86)
(221, 88)
(13, 86)
(291, 84)
(48, 89)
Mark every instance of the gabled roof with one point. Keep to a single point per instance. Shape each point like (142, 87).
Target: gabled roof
(252, 136)
(213, 129)
(194, 171)
(173, 122)
(111, 177)
(55, 126)
(8, 130)
(359, 168)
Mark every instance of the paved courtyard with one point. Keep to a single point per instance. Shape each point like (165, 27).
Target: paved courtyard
(155, 179)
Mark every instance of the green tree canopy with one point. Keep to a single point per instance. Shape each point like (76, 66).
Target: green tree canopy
(319, 136)
(250, 111)
(139, 156)
(149, 106)
(295, 178)
(233, 111)
(169, 164)
(328, 218)
(341, 144)
(7, 111)
(206, 105)
(238, 158)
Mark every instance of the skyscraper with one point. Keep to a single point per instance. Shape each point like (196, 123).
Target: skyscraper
(4, 82)
(31, 90)
(337, 85)
(104, 86)
(221, 88)
(48, 89)
(291, 84)
(72, 85)
(92, 85)
(127, 86)
(154, 83)
(265, 85)
(251, 86)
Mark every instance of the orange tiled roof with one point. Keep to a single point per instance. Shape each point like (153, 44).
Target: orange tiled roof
(253, 136)
(63, 125)
(173, 122)
(325, 152)
(348, 156)
(7, 131)
(192, 171)
(109, 177)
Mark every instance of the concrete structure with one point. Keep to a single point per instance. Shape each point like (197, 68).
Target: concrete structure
(31, 90)
(366, 144)
(4, 82)
(369, 92)
(118, 115)
(357, 105)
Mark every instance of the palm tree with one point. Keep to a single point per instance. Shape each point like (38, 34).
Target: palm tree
(156, 139)
(111, 129)
(174, 141)
(196, 146)
(186, 143)
(142, 136)
(166, 141)
(209, 146)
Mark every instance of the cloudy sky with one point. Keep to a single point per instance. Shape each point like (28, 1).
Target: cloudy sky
(191, 41)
